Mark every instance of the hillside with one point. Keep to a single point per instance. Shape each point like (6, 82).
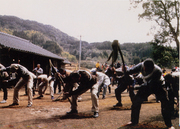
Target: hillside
(16, 24)
(67, 46)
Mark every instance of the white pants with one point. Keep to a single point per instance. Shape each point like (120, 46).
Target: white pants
(94, 97)
(45, 85)
(51, 87)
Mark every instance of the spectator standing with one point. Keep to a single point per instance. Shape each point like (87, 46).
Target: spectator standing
(37, 71)
(98, 66)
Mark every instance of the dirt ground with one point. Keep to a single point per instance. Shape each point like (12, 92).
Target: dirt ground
(48, 114)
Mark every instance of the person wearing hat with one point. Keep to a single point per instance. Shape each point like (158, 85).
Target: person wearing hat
(152, 84)
(26, 78)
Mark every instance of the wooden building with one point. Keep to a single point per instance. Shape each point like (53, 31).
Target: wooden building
(17, 50)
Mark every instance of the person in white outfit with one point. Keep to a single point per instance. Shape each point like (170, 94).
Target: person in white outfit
(44, 81)
(102, 81)
(26, 77)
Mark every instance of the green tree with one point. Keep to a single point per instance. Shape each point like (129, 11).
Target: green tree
(166, 14)
(70, 57)
(164, 56)
(105, 54)
(136, 60)
(53, 47)
(20, 34)
(94, 54)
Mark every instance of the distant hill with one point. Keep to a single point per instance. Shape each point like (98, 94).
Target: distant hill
(67, 46)
(45, 36)
(16, 24)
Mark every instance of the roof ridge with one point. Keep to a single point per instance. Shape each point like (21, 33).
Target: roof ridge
(25, 45)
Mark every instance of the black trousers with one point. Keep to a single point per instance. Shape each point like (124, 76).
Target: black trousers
(143, 93)
(121, 88)
(3, 85)
(57, 83)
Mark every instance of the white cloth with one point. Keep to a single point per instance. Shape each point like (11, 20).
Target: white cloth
(45, 82)
(102, 78)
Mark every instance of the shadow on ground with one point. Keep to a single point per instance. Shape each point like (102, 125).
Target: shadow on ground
(148, 124)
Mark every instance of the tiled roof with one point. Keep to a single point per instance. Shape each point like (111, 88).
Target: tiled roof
(19, 44)
(66, 62)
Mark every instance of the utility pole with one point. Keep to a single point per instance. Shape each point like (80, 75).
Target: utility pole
(80, 53)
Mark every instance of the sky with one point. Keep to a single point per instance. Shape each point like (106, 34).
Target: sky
(93, 20)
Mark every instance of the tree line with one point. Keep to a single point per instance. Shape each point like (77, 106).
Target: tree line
(66, 46)
(164, 56)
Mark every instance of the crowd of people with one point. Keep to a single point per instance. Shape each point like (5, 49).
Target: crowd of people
(149, 77)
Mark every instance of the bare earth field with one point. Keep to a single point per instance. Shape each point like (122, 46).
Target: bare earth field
(48, 114)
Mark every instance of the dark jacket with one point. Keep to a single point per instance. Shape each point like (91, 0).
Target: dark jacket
(154, 76)
(86, 81)
(19, 69)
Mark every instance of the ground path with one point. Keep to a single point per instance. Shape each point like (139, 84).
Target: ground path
(45, 114)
